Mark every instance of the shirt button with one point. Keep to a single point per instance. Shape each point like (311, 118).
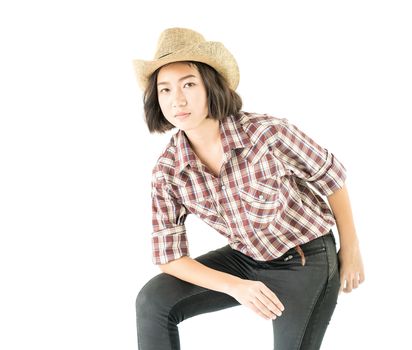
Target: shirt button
(261, 196)
(277, 203)
(223, 187)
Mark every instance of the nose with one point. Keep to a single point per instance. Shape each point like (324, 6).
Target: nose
(179, 99)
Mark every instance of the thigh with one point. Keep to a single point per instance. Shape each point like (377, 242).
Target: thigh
(326, 303)
(321, 315)
(166, 300)
(299, 288)
(167, 296)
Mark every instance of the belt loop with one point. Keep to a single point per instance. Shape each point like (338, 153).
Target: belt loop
(302, 255)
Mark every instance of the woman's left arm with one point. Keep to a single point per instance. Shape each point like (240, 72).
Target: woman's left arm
(351, 265)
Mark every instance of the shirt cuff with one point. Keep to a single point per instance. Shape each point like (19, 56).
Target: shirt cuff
(169, 244)
(330, 178)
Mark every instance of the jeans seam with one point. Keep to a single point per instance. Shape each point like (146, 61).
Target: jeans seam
(318, 295)
(321, 298)
(323, 290)
(331, 271)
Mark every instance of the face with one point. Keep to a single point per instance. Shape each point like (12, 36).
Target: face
(182, 95)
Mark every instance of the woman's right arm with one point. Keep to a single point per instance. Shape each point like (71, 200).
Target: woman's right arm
(171, 254)
(253, 294)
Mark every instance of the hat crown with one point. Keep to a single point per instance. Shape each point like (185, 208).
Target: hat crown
(175, 39)
(182, 45)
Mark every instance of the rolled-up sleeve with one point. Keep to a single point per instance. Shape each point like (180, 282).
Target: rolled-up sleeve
(308, 160)
(169, 241)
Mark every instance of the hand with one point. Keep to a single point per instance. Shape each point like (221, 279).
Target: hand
(351, 267)
(256, 296)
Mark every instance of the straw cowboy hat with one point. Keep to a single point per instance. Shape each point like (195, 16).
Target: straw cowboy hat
(181, 44)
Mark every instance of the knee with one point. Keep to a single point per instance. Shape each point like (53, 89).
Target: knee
(144, 300)
(149, 298)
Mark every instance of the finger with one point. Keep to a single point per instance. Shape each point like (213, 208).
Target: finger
(258, 311)
(349, 285)
(272, 297)
(355, 282)
(342, 283)
(268, 314)
(361, 277)
(269, 304)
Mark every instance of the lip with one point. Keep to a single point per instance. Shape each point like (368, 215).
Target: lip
(182, 115)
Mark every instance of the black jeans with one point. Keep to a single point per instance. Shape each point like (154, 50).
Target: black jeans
(309, 294)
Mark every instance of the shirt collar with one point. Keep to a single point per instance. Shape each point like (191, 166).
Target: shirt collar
(232, 135)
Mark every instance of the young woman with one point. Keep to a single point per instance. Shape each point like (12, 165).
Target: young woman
(256, 179)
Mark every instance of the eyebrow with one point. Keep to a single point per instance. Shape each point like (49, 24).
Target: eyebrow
(182, 78)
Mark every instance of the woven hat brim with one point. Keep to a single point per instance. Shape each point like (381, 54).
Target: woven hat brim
(212, 53)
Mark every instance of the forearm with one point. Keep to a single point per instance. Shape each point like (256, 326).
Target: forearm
(192, 271)
(351, 265)
(341, 208)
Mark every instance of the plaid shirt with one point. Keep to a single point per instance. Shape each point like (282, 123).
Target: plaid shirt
(266, 200)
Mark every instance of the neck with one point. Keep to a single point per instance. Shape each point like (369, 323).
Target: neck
(205, 137)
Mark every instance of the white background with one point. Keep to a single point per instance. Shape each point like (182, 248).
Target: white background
(76, 159)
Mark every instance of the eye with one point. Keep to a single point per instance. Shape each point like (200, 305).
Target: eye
(163, 91)
(189, 85)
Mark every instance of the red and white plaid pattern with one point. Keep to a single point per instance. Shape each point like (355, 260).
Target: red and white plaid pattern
(266, 200)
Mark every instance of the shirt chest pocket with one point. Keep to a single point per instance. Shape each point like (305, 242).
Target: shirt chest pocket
(261, 202)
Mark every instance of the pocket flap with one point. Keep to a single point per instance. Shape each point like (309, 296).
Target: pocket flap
(262, 191)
